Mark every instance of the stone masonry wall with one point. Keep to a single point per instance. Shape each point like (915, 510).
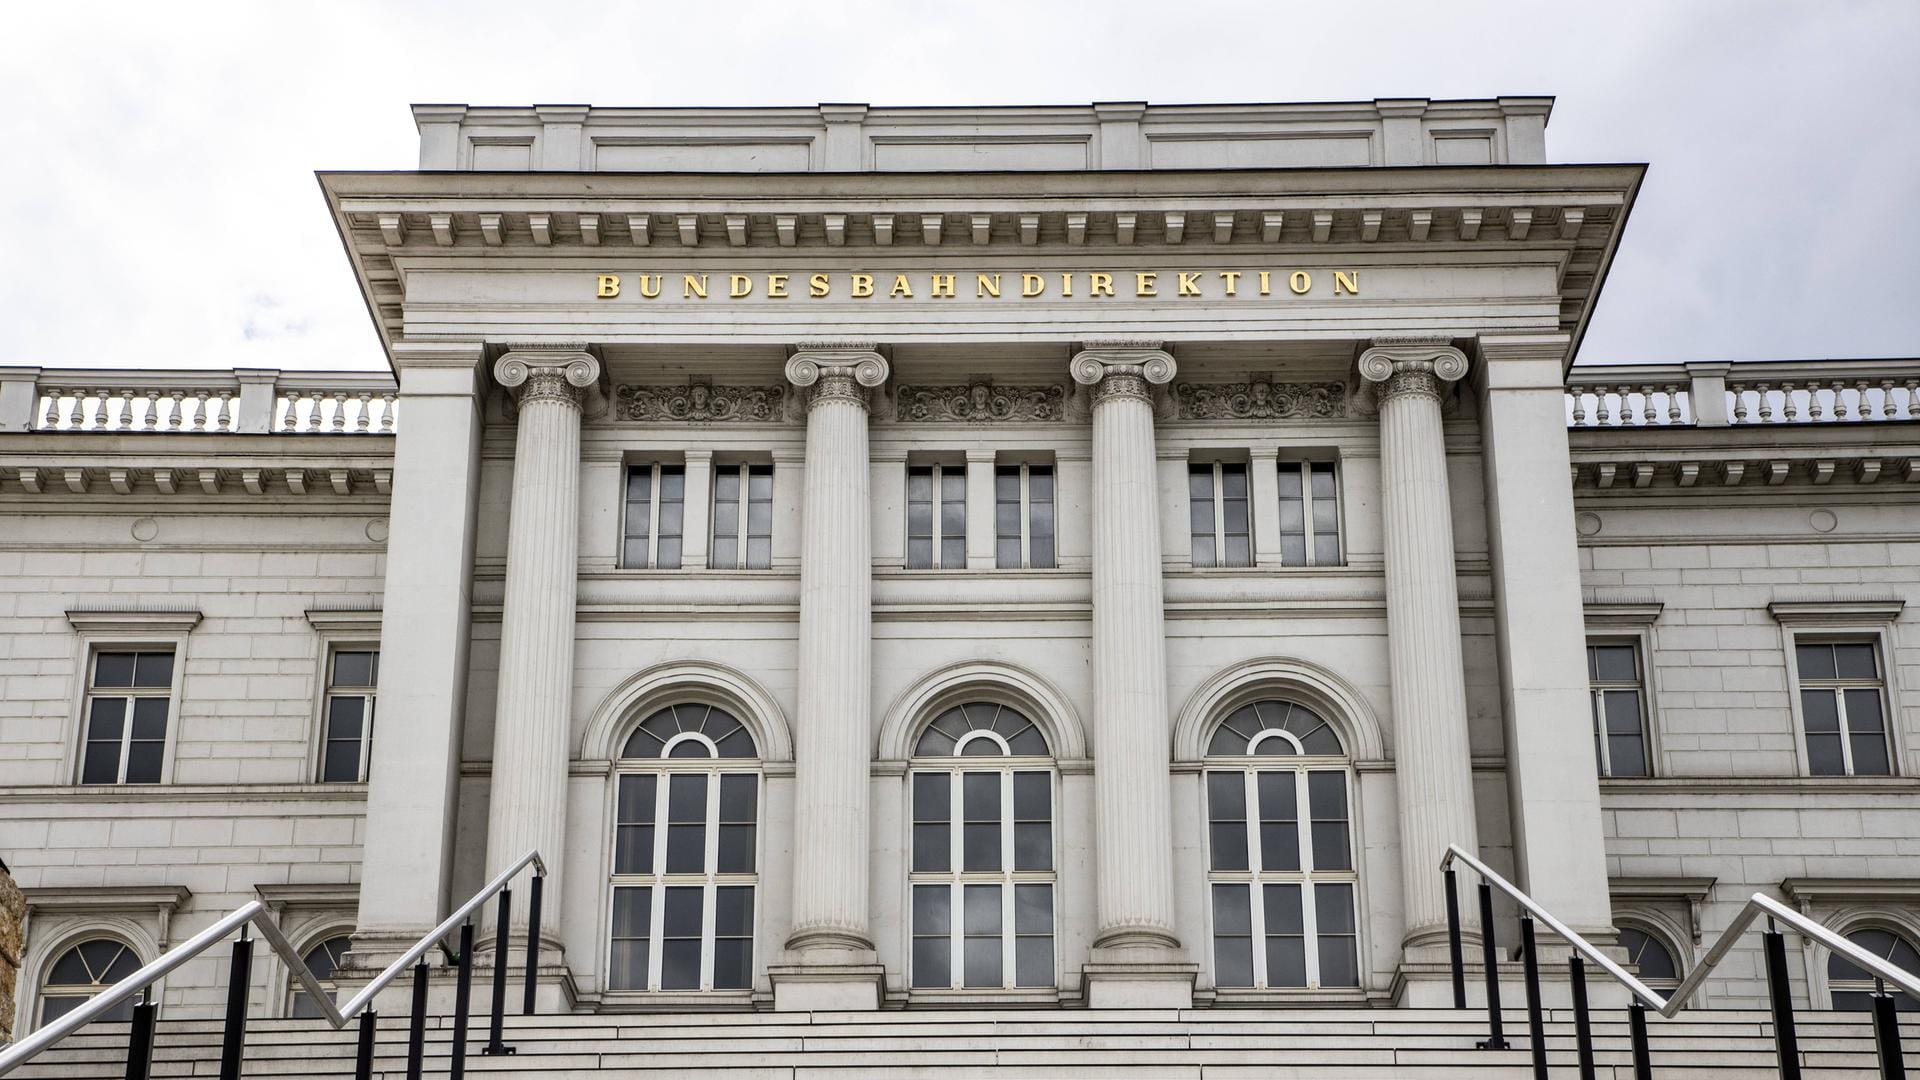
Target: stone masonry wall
(13, 916)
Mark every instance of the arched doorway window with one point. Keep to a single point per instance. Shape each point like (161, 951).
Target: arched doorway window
(982, 862)
(1280, 850)
(323, 959)
(1657, 963)
(83, 971)
(685, 853)
(1851, 986)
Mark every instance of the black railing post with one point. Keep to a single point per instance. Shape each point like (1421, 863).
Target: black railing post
(1490, 955)
(1886, 1034)
(462, 999)
(1637, 1028)
(233, 1040)
(363, 1054)
(1780, 991)
(1536, 1024)
(140, 1038)
(417, 1022)
(533, 943)
(1582, 1022)
(500, 952)
(1453, 942)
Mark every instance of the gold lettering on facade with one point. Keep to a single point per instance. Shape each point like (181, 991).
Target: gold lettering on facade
(650, 285)
(1032, 284)
(1266, 283)
(862, 286)
(1190, 283)
(609, 286)
(777, 286)
(1066, 284)
(943, 287)
(689, 287)
(1232, 278)
(902, 289)
(1143, 283)
(1099, 284)
(818, 285)
(1348, 281)
(987, 285)
(1300, 281)
(739, 285)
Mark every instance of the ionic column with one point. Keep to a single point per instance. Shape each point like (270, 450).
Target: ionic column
(1433, 763)
(527, 805)
(830, 951)
(1137, 958)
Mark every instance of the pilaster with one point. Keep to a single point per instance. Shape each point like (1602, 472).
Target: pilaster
(1137, 958)
(19, 396)
(981, 509)
(1552, 784)
(696, 495)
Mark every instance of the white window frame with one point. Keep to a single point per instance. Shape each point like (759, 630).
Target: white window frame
(741, 539)
(1219, 512)
(1307, 502)
(1256, 876)
(1877, 637)
(371, 694)
(127, 632)
(957, 878)
(653, 512)
(1660, 933)
(658, 881)
(1596, 705)
(939, 469)
(1026, 513)
(1835, 621)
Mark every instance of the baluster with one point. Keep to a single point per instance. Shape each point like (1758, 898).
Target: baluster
(1673, 404)
(1766, 402)
(1601, 414)
(1739, 403)
(1789, 408)
(225, 411)
(1647, 411)
(1913, 399)
(1841, 411)
(366, 412)
(287, 416)
(83, 410)
(126, 410)
(51, 419)
(1814, 409)
(386, 413)
(1579, 406)
(151, 422)
(179, 409)
(199, 421)
(310, 421)
(339, 411)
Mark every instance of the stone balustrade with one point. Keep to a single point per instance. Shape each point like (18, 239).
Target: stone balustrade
(243, 400)
(1724, 395)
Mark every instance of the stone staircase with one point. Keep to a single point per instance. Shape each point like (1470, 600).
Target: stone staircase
(1005, 1044)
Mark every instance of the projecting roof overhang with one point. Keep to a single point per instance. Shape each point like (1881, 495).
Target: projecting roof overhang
(1571, 216)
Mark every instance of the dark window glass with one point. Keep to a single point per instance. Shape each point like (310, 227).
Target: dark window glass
(1815, 661)
(1200, 509)
(1335, 932)
(1852, 986)
(981, 944)
(725, 553)
(1656, 964)
(732, 937)
(687, 824)
(323, 960)
(1626, 740)
(1327, 802)
(1326, 516)
(1006, 517)
(1033, 821)
(932, 929)
(673, 488)
(1227, 820)
(1236, 529)
(1279, 821)
(980, 805)
(106, 723)
(739, 813)
(680, 938)
(1033, 935)
(1286, 928)
(953, 519)
(632, 925)
(919, 517)
(1232, 936)
(932, 809)
(1040, 546)
(633, 833)
(1293, 515)
(759, 517)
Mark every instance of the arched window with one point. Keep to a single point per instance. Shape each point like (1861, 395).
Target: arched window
(83, 971)
(323, 959)
(1280, 850)
(1852, 987)
(982, 867)
(1658, 966)
(685, 853)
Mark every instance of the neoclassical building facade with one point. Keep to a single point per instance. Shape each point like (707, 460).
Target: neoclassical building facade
(893, 558)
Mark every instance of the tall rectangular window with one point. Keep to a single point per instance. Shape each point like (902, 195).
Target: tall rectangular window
(656, 498)
(1843, 706)
(1023, 517)
(742, 517)
(1619, 708)
(128, 696)
(1222, 528)
(1309, 514)
(347, 740)
(936, 517)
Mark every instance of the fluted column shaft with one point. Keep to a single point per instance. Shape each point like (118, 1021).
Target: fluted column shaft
(1133, 819)
(527, 804)
(832, 732)
(1432, 758)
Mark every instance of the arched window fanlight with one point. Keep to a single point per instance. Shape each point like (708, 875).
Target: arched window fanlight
(323, 959)
(1657, 965)
(981, 729)
(690, 731)
(1283, 728)
(1852, 987)
(84, 971)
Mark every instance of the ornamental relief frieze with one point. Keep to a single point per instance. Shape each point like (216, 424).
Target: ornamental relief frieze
(1261, 399)
(701, 402)
(979, 402)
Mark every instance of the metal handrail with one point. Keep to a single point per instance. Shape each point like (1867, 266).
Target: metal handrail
(255, 913)
(1758, 904)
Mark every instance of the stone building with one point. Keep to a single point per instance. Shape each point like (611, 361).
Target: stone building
(914, 558)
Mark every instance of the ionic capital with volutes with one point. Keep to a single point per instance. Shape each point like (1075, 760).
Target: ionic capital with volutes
(1122, 368)
(837, 370)
(1412, 365)
(564, 374)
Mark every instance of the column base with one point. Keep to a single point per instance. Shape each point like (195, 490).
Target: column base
(554, 990)
(816, 987)
(1139, 977)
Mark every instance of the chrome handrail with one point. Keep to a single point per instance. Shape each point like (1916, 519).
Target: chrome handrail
(255, 913)
(1758, 904)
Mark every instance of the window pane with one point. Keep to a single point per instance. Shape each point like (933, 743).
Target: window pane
(1629, 753)
(1279, 821)
(1327, 802)
(1824, 756)
(1334, 931)
(143, 761)
(981, 949)
(738, 817)
(153, 669)
(633, 835)
(1863, 711)
(1815, 661)
(1234, 527)
(1293, 516)
(101, 764)
(1869, 753)
(733, 937)
(680, 938)
(1232, 936)
(1227, 820)
(632, 915)
(1853, 661)
(725, 551)
(1033, 925)
(340, 761)
(687, 824)
(1614, 663)
(1326, 516)
(1286, 942)
(980, 797)
(113, 669)
(932, 925)
(1820, 709)
(352, 668)
(932, 797)
(1200, 511)
(150, 718)
(1040, 529)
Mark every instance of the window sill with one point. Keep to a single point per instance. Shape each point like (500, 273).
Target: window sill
(932, 998)
(181, 792)
(1858, 785)
(1304, 997)
(674, 1000)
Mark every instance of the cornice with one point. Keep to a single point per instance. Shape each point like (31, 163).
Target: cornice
(93, 898)
(132, 620)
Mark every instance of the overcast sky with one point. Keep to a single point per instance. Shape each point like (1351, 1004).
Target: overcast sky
(158, 206)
